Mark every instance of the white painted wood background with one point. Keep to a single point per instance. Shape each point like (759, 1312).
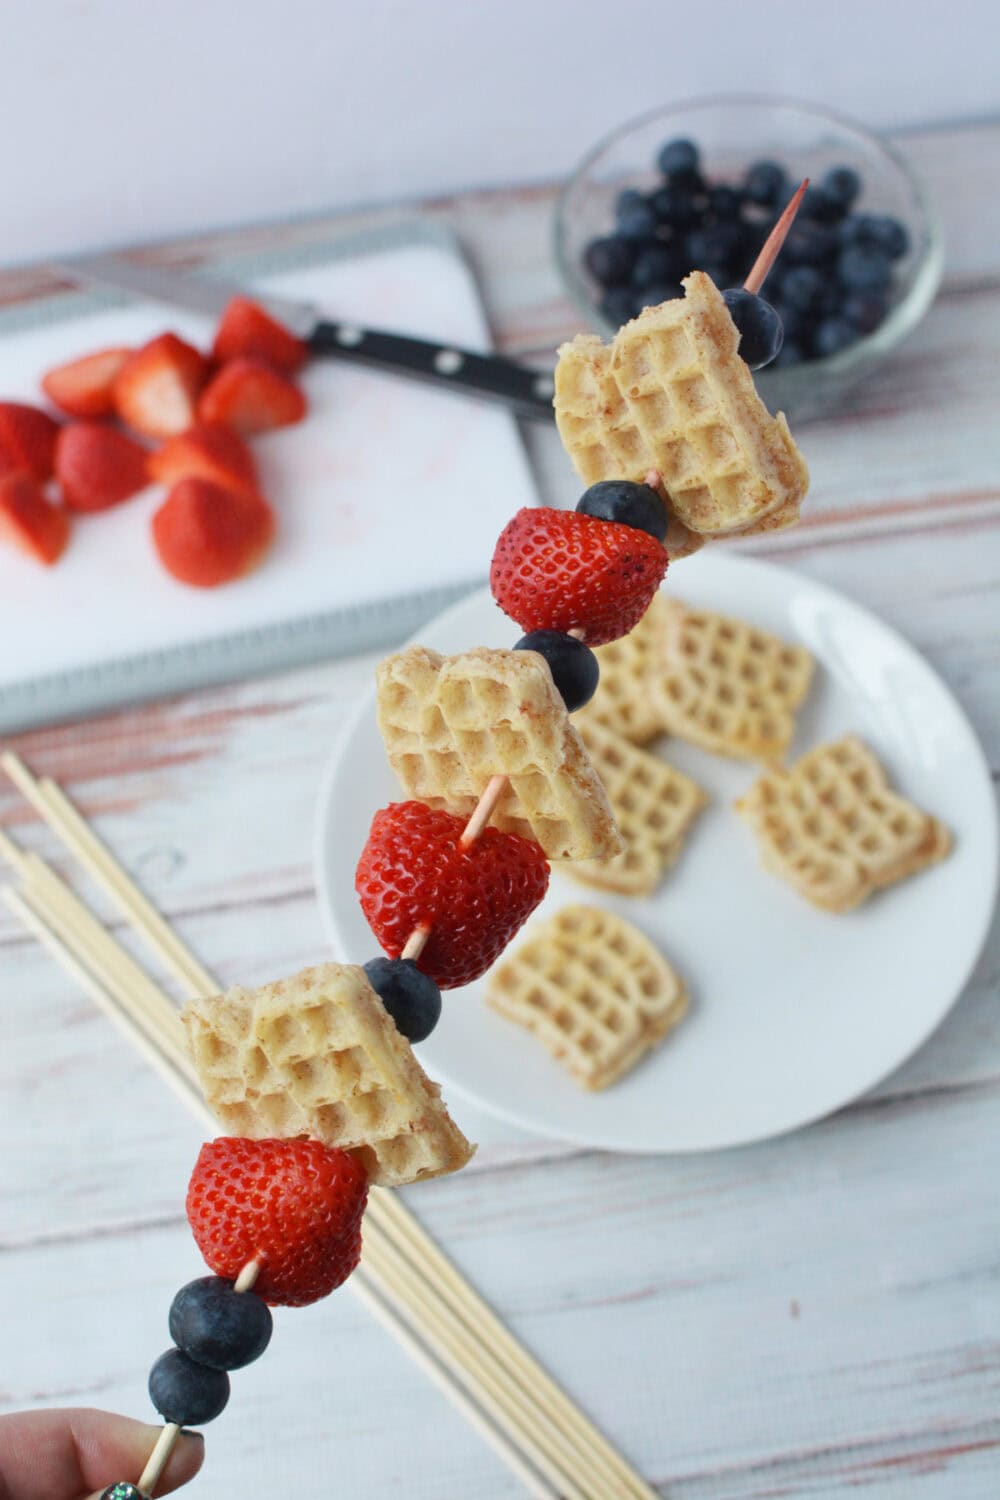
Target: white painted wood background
(807, 1318)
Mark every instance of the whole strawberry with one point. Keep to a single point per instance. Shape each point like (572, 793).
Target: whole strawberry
(413, 872)
(295, 1206)
(560, 570)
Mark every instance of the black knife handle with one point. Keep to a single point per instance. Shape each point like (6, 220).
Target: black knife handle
(490, 376)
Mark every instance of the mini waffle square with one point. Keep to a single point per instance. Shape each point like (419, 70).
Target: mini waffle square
(451, 723)
(832, 827)
(622, 701)
(654, 807)
(727, 686)
(671, 393)
(318, 1055)
(593, 989)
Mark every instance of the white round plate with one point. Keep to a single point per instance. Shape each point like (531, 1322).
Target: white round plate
(794, 1011)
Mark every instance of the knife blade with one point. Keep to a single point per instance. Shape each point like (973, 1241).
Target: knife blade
(489, 377)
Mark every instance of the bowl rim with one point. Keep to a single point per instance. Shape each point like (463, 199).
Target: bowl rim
(903, 316)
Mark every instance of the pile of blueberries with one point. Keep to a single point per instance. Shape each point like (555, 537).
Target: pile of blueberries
(831, 285)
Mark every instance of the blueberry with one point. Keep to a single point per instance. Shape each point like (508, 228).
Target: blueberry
(412, 999)
(789, 354)
(678, 156)
(880, 232)
(217, 1326)
(821, 206)
(791, 320)
(863, 270)
(758, 324)
(627, 199)
(803, 287)
(662, 291)
(810, 244)
(832, 336)
(843, 184)
(637, 221)
(765, 183)
(573, 665)
(674, 208)
(186, 1392)
(716, 245)
(725, 203)
(654, 264)
(610, 260)
(630, 504)
(864, 310)
(617, 305)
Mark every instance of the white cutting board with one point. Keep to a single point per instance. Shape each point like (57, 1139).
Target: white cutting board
(389, 498)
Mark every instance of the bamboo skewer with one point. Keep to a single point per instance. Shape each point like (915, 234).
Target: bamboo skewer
(398, 1255)
(771, 248)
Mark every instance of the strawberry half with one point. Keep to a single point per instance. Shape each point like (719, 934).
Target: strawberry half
(157, 387)
(413, 873)
(29, 522)
(560, 570)
(85, 387)
(295, 1206)
(252, 397)
(98, 467)
(247, 330)
(206, 535)
(209, 450)
(27, 440)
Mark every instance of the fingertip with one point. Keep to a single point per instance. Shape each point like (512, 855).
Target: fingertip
(185, 1461)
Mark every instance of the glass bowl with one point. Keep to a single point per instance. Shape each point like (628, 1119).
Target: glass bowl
(732, 131)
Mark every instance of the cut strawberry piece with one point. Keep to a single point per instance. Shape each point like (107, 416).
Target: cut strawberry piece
(85, 387)
(247, 331)
(560, 570)
(206, 535)
(156, 389)
(98, 467)
(294, 1206)
(28, 521)
(252, 397)
(209, 450)
(27, 440)
(413, 873)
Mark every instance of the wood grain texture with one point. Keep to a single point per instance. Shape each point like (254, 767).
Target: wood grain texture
(813, 1317)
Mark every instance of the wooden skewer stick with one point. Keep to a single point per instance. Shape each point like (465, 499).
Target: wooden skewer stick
(772, 245)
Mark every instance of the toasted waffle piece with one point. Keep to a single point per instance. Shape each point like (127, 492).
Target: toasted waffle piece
(622, 700)
(832, 827)
(727, 686)
(654, 806)
(450, 723)
(319, 1055)
(593, 989)
(671, 393)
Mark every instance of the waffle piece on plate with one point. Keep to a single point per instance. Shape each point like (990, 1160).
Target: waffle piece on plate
(671, 393)
(832, 827)
(727, 686)
(593, 989)
(654, 807)
(318, 1055)
(450, 723)
(622, 701)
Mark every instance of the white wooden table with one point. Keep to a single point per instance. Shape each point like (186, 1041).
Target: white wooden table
(809, 1317)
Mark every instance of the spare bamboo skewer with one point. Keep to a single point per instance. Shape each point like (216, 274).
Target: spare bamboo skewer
(389, 1214)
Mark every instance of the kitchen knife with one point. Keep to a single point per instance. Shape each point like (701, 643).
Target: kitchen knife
(491, 377)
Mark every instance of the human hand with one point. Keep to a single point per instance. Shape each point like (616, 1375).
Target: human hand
(76, 1453)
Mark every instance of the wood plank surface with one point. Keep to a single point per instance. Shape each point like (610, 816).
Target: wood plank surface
(807, 1318)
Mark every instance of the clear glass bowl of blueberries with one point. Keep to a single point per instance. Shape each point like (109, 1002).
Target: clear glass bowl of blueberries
(699, 185)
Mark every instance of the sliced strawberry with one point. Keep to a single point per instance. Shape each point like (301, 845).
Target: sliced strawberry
(206, 535)
(27, 440)
(414, 872)
(246, 330)
(98, 467)
(29, 521)
(85, 387)
(156, 389)
(252, 397)
(293, 1206)
(209, 450)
